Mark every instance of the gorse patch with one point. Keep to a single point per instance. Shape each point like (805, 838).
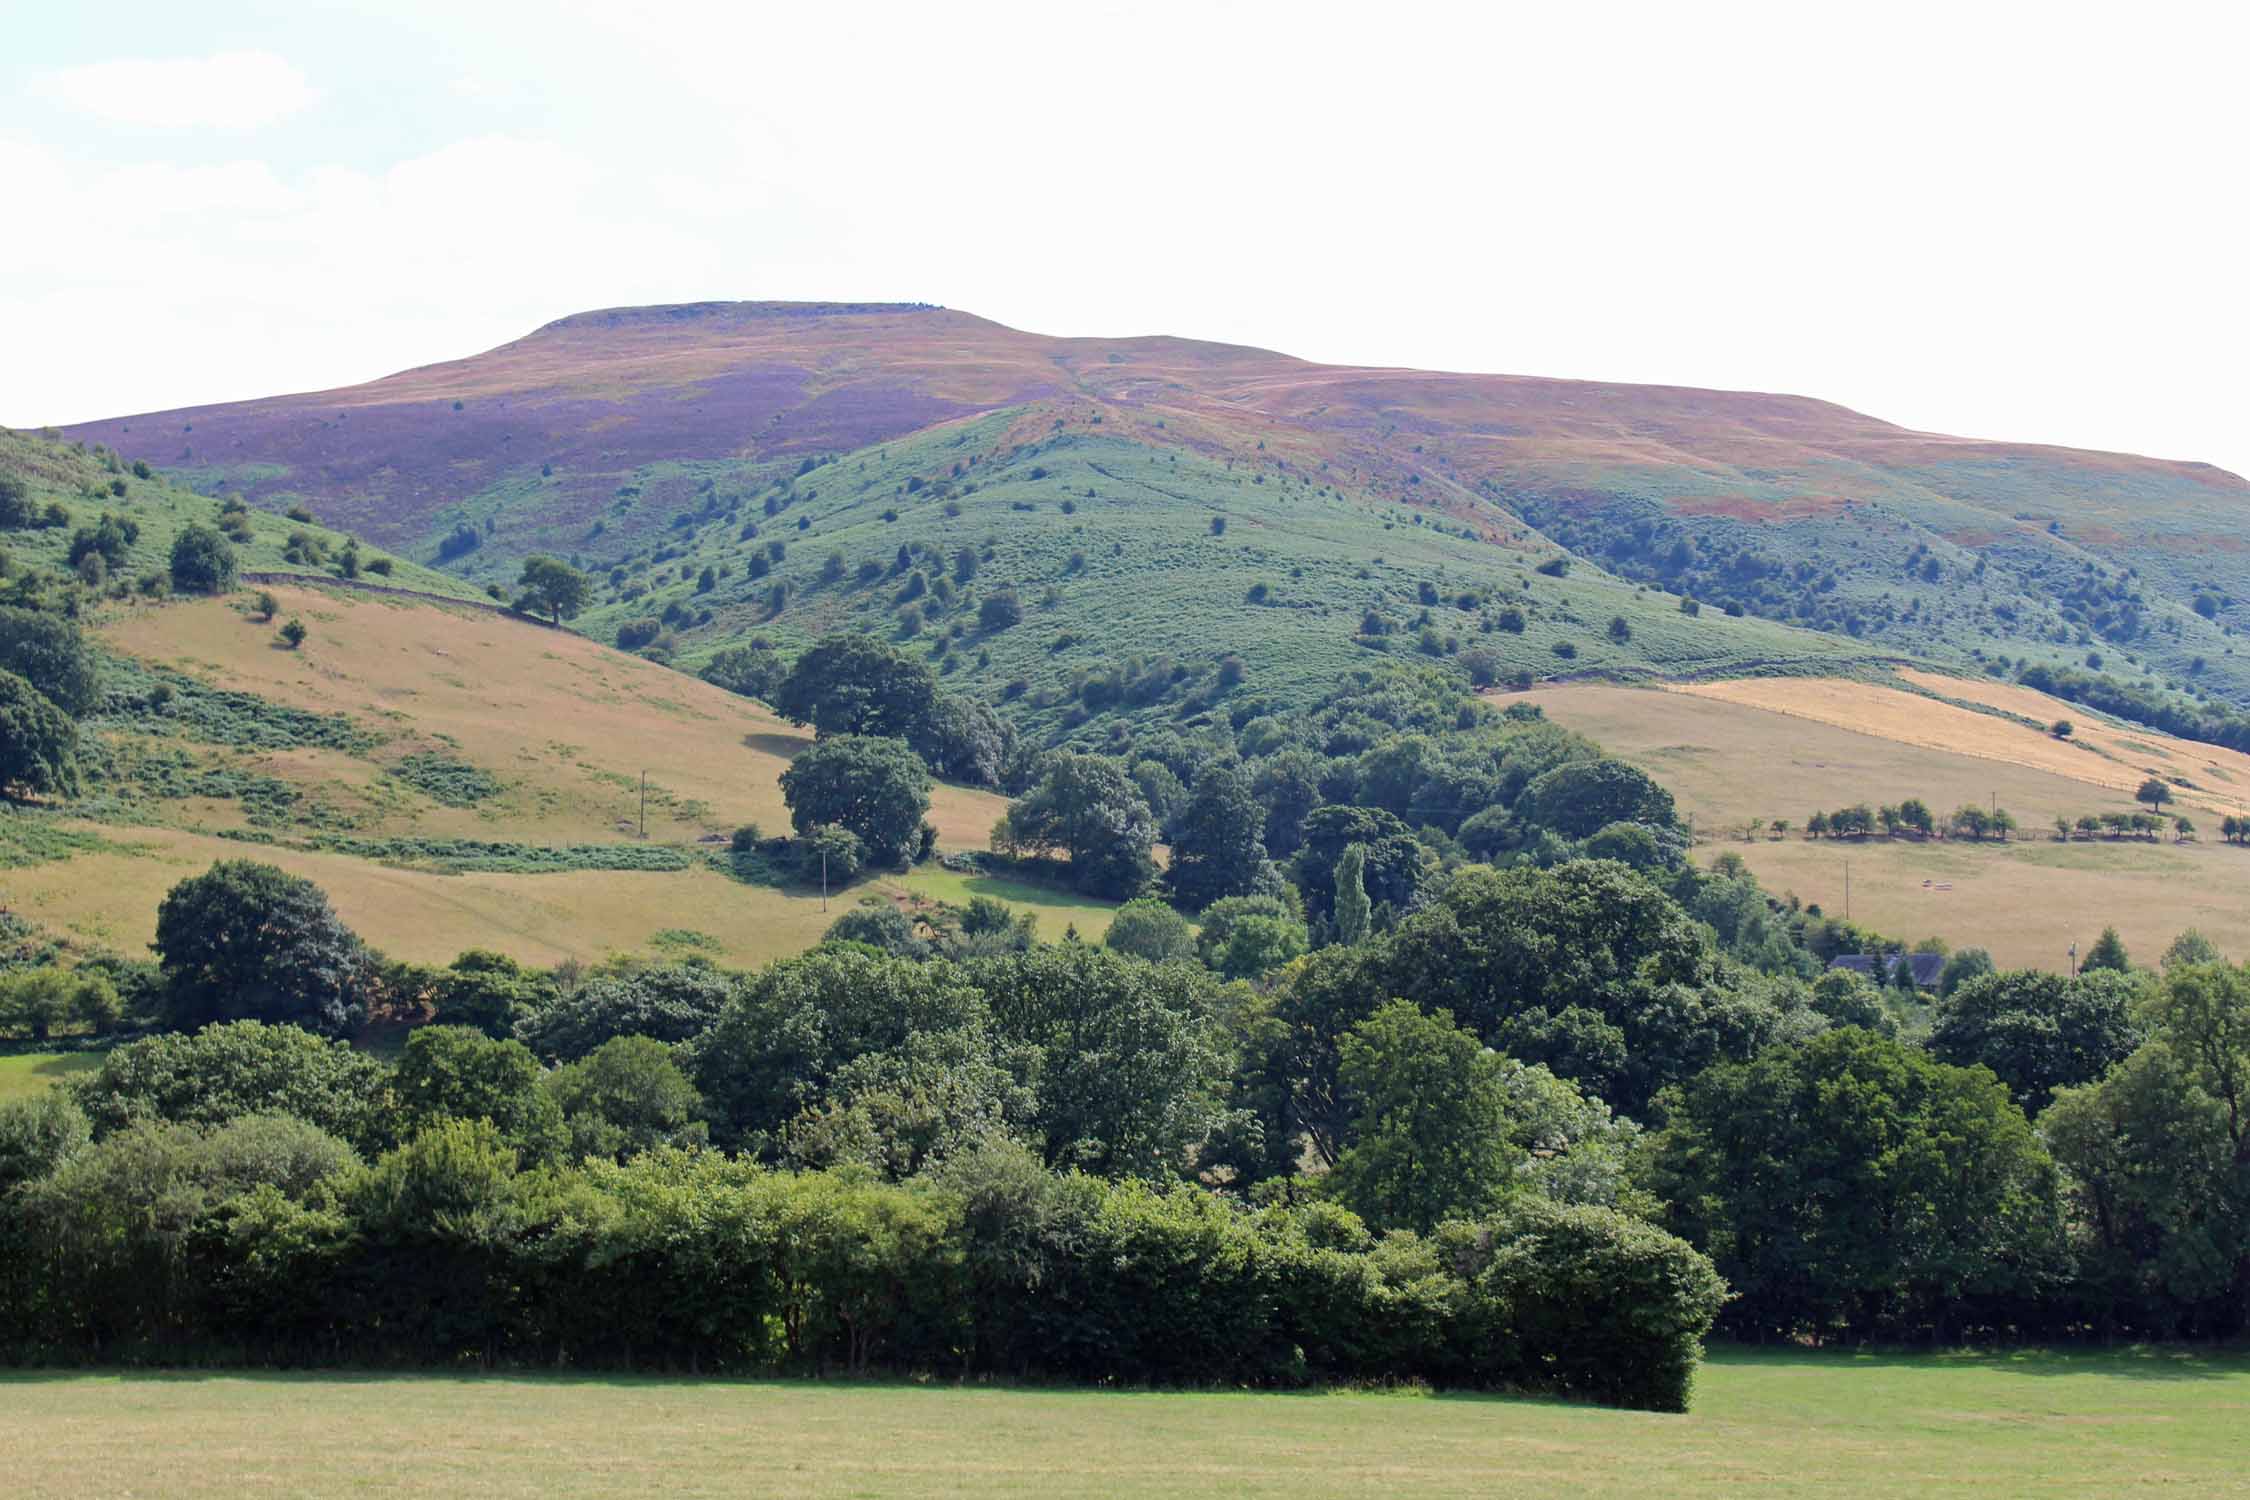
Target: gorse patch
(452, 782)
(461, 856)
(156, 700)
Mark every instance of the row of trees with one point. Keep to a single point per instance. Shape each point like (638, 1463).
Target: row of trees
(1912, 816)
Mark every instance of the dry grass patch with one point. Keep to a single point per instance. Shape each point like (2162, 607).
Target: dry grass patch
(1728, 762)
(567, 724)
(2096, 755)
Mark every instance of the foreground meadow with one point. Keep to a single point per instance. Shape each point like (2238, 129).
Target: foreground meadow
(1783, 1424)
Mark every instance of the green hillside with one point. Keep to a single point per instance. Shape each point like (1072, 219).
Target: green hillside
(72, 486)
(1933, 579)
(1140, 571)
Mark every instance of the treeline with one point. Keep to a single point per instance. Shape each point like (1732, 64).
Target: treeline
(173, 1244)
(1974, 821)
(2142, 705)
(1912, 816)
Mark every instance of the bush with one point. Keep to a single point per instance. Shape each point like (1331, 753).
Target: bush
(1147, 928)
(202, 562)
(828, 855)
(634, 634)
(999, 610)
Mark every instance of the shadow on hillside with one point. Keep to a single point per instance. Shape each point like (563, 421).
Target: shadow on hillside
(784, 745)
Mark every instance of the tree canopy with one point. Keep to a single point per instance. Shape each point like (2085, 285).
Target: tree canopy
(248, 941)
(553, 588)
(38, 742)
(877, 788)
(49, 652)
(202, 561)
(1090, 810)
(1215, 840)
(855, 684)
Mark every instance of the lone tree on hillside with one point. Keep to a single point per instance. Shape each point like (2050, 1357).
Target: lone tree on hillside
(856, 684)
(2155, 793)
(553, 588)
(877, 788)
(248, 941)
(202, 562)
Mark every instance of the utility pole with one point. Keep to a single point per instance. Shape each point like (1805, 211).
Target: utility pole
(644, 804)
(1847, 890)
(824, 880)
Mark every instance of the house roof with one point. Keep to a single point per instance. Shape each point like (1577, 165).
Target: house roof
(1925, 967)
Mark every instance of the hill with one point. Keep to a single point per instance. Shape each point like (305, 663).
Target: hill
(1820, 743)
(454, 777)
(75, 485)
(633, 437)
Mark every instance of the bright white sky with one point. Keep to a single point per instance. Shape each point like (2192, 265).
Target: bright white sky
(2006, 221)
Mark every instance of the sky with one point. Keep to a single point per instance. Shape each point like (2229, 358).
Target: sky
(2021, 222)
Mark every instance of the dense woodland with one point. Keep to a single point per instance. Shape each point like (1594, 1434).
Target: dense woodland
(1424, 1052)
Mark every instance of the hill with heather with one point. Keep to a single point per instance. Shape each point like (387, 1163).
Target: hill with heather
(742, 469)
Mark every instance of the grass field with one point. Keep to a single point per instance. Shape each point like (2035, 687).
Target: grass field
(562, 728)
(1783, 747)
(26, 1073)
(1780, 1424)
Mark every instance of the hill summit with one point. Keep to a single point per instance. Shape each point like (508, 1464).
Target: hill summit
(614, 434)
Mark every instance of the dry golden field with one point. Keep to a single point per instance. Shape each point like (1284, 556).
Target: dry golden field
(1775, 748)
(565, 724)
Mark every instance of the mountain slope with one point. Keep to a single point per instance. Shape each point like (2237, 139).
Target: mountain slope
(618, 435)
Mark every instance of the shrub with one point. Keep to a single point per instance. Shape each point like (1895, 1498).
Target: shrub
(828, 854)
(202, 562)
(999, 610)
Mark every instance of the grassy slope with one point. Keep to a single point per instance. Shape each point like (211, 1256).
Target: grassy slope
(1903, 576)
(1816, 744)
(1781, 1423)
(80, 481)
(25, 1073)
(1137, 571)
(565, 726)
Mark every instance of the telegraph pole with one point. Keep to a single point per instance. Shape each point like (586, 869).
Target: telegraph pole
(1847, 890)
(644, 804)
(824, 879)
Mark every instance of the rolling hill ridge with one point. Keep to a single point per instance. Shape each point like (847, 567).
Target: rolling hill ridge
(634, 439)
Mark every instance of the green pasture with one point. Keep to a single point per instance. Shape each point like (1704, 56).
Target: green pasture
(1795, 1423)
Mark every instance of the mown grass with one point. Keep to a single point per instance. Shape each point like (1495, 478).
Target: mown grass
(25, 1074)
(1056, 907)
(1784, 1424)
